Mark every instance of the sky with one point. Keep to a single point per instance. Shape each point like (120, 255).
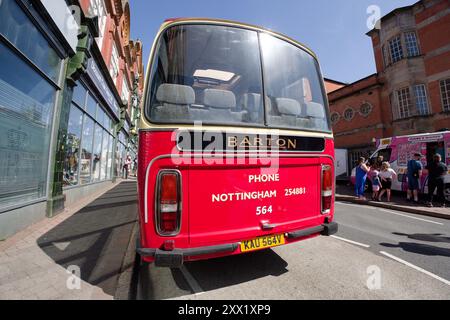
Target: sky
(334, 30)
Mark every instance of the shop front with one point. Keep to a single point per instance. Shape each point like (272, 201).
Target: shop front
(33, 55)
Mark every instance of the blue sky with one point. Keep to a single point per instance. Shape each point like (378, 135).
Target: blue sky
(335, 30)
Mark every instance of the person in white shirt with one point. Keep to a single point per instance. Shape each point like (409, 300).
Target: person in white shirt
(387, 175)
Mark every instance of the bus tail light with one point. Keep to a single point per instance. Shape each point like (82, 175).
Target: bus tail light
(327, 188)
(168, 203)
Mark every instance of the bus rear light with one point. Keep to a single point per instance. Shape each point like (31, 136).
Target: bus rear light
(327, 188)
(168, 202)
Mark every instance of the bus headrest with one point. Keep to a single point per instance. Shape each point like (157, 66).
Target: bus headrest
(175, 94)
(252, 102)
(289, 106)
(222, 99)
(315, 110)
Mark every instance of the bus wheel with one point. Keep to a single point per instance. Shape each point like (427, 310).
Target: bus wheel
(447, 192)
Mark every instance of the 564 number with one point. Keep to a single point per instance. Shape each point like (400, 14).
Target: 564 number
(263, 210)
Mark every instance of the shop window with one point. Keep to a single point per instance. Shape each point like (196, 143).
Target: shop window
(26, 113)
(91, 106)
(97, 154)
(22, 33)
(86, 150)
(104, 156)
(110, 157)
(72, 147)
(445, 94)
(79, 95)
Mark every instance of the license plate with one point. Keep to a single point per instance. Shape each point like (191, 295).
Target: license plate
(263, 243)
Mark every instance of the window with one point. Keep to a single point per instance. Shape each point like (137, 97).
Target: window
(125, 91)
(404, 103)
(98, 9)
(91, 106)
(293, 86)
(97, 154)
(114, 67)
(72, 147)
(26, 112)
(86, 150)
(349, 114)
(213, 74)
(420, 94)
(79, 95)
(445, 94)
(19, 30)
(335, 117)
(365, 109)
(396, 50)
(412, 47)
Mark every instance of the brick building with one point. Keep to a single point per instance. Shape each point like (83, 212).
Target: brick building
(410, 93)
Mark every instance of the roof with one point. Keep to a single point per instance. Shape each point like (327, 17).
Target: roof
(175, 21)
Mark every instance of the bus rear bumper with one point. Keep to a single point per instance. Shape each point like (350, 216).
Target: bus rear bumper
(176, 257)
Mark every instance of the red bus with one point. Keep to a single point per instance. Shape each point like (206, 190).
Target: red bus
(236, 152)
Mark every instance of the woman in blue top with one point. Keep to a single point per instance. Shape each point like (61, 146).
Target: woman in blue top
(361, 177)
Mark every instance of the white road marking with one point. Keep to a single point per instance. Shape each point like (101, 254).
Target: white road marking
(191, 281)
(408, 216)
(61, 245)
(358, 206)
(352, 242)
(416, 268)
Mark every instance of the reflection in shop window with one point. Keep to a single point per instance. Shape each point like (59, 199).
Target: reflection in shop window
(97, 154)
(86, 150)
(26, 109)
(72, 147)
(104, 156)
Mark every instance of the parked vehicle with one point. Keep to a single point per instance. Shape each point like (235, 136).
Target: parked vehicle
(209, 183)
(341, 165)
(399, 150)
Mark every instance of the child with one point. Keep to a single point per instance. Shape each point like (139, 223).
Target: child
(376, 183)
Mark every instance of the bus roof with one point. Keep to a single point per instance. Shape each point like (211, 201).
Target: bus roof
(176, 21)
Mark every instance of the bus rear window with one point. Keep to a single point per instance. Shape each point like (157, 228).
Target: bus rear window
(213, 74)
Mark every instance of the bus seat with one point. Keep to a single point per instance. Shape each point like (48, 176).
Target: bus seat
(289, 109)
(175, 100)
(222, 104)
(316, 115)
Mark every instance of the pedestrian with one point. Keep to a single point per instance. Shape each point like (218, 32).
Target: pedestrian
(126, 166)
(361, 177)
(376, 182)
(379, 161)
(387, 175)
(414, 173)
(436, 172)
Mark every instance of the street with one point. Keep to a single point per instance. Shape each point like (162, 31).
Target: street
(409, 252)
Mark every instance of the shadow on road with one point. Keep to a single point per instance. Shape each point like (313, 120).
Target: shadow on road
(423, 249)
(96, 238)
(162, 283)
(435, 237)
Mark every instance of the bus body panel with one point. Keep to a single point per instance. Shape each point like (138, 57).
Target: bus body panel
(205, 222)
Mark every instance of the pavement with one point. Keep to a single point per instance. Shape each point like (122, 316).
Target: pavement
(78, 255)
(347, 193)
